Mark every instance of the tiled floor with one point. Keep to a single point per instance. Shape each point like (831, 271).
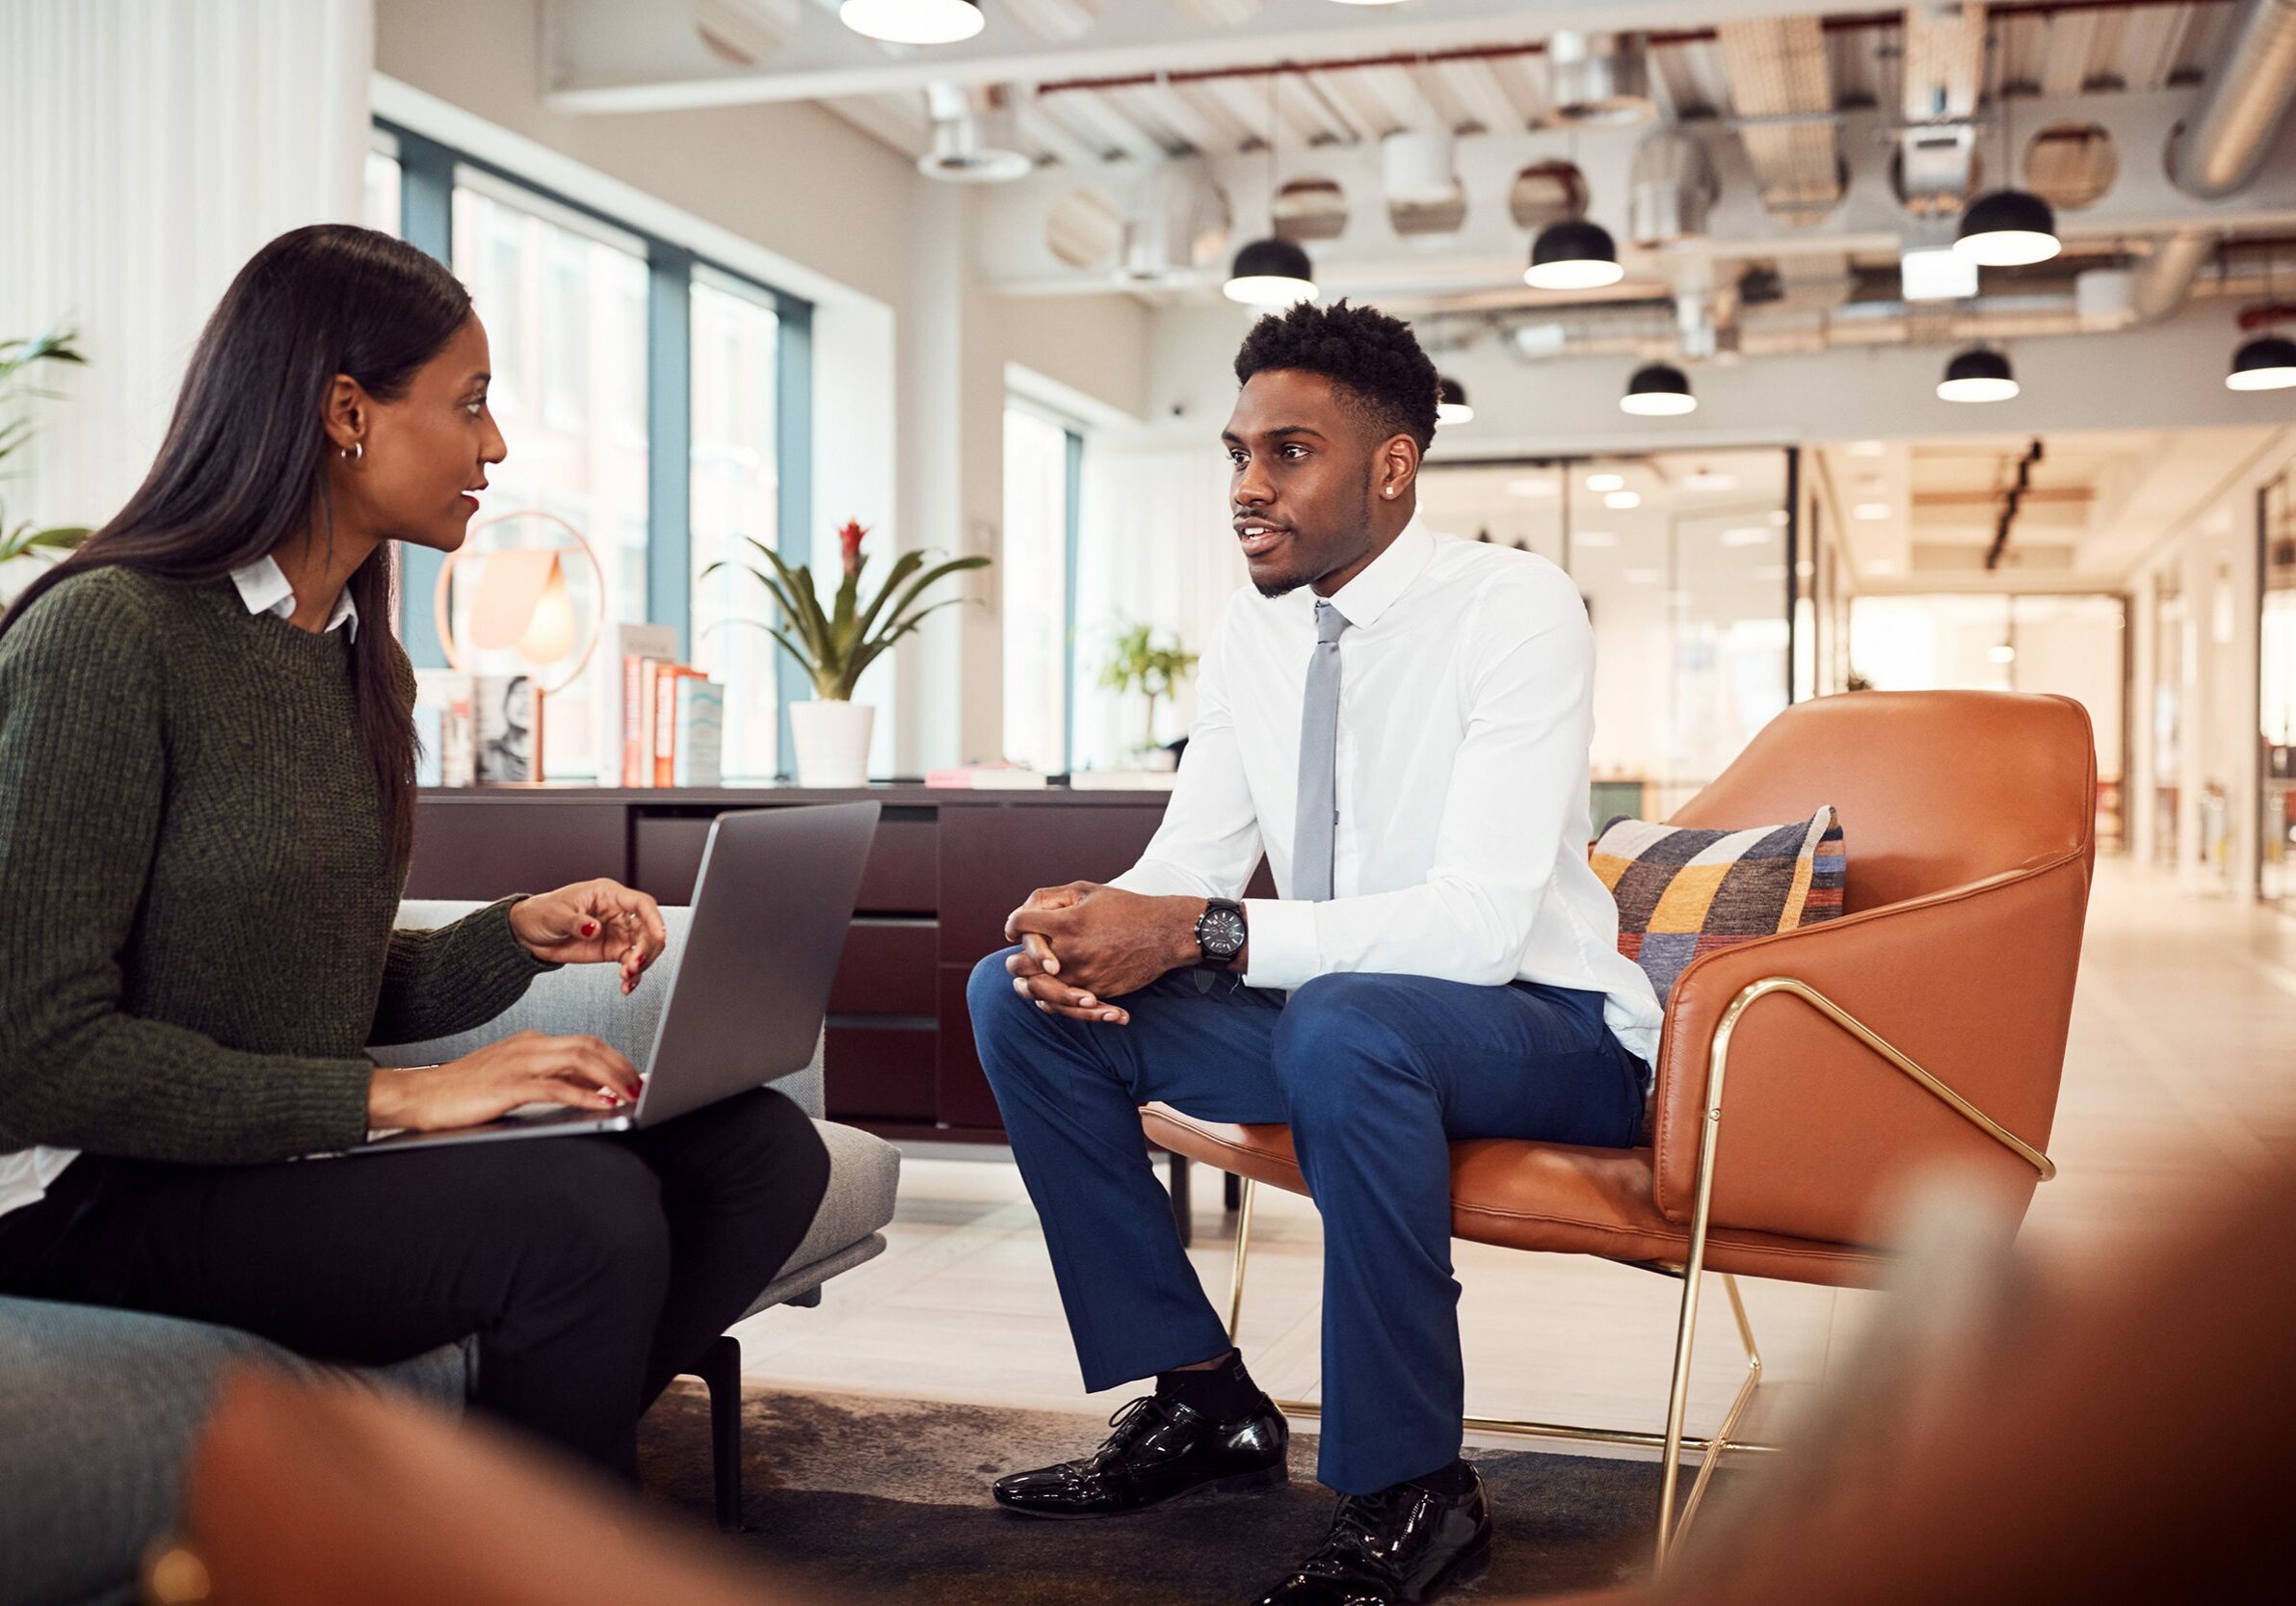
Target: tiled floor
(2180, 1069)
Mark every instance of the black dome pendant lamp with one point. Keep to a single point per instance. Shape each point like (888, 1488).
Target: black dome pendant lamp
(1274, 271)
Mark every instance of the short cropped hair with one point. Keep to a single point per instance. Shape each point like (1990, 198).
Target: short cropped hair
(1375, 360)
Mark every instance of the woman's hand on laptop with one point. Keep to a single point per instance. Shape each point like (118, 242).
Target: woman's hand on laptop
(593, 923)
(529, 1068)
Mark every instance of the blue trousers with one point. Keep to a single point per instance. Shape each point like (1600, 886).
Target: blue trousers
(1376, 1075)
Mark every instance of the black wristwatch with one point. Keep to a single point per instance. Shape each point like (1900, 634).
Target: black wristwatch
(1220, 934)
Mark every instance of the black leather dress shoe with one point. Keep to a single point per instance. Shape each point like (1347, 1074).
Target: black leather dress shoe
(1160, 1448)
(1398, 1547)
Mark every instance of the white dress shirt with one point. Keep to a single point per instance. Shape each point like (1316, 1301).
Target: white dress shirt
(27, 1174)
(1465, 711)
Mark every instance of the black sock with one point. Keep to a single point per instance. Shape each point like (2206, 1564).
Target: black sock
(1222, 1392)
(1450, 1481)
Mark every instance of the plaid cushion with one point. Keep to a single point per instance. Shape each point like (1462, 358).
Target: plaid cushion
(1682, 893)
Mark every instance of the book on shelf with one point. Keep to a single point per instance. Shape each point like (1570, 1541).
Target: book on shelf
(698, 733)
(667, 679)
(618, 695)
(443, 726)
(989, 777)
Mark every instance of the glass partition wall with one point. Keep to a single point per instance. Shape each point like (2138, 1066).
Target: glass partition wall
(2276, 693)
(1683, 561)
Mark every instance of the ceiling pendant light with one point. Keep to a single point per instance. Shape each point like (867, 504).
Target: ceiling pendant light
(1272, 272)
(913, 21)
(2010, 227)
(1977, 374)
(1450, 402)
(1573, 255)
(1658, 390)
(2268, 362)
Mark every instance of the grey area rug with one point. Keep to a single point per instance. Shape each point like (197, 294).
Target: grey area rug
(886, 1499)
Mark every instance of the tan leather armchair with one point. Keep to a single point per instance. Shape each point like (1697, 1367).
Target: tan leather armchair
(1925, 1026)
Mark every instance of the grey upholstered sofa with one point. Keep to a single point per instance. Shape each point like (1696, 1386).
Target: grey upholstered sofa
(97, 1406)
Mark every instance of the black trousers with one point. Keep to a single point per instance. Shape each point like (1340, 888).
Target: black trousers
(593, 1270)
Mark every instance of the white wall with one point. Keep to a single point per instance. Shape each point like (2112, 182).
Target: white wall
(146, 152)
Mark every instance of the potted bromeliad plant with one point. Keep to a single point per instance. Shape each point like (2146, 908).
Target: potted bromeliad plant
(837, 643)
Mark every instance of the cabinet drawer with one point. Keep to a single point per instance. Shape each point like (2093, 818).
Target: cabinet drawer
(887, 968)
(903, 876)
(878, 1073)
(666, 857)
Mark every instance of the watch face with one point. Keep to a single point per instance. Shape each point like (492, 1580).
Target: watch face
(1221, 932)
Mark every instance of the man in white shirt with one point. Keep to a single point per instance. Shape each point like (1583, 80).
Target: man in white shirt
(1399, 723)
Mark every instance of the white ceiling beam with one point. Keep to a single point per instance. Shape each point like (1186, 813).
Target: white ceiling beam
(626, 56)
(1478, 92)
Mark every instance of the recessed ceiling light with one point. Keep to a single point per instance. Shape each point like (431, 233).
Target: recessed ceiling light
(1865, 448)
(1748, 535)
(1884, 565)
(1643, 577)
(1592, 537)
(2002, 654)
(1870, 510)
(1533, 487)
(1780, 517)
(1606, 481)
(1622, 500)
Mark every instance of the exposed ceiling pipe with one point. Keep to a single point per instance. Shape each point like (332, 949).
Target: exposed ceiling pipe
(2221, 147)
(2166, 279)
(1669, 189)
(1654, 327)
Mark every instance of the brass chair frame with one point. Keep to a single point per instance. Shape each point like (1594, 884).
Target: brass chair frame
(1674, 1441)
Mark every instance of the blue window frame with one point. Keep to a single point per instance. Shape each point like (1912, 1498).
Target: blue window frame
(428, 173)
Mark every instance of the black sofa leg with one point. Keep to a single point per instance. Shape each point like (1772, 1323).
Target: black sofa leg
(720, 1372)
(1232, 1192)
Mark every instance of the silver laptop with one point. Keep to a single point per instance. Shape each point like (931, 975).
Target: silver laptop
(752, 981)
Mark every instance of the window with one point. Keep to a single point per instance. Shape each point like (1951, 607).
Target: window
(647, 397)
(736, 499)
(383, 190)
(563, 303)
(1040, 469)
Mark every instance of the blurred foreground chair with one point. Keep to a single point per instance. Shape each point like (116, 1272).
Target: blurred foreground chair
(1925, 1027)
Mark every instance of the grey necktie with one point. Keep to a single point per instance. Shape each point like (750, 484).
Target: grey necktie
(1314, 833)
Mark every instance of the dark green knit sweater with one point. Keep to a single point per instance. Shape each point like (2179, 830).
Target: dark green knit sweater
(199, 912)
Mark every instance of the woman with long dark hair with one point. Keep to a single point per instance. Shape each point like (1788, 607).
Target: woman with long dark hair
(206, 808)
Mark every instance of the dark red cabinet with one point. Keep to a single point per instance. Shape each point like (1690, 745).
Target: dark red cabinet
(945, 870)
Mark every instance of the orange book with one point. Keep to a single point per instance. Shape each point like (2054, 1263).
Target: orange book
(664, 718)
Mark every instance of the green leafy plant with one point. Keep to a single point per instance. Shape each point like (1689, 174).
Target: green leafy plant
(16, 356)
(1137, 663)
(839, 644)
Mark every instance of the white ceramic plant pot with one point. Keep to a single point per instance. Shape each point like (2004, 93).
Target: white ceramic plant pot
(833, 741)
